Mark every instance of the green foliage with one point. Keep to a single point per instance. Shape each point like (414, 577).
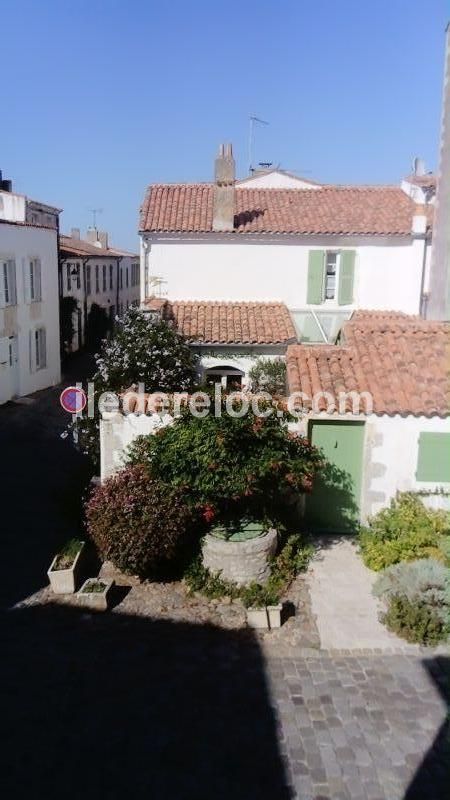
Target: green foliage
(68, 553)
(292, 558)
(417, 596)
(137, 522)
(228, 465)
(405, 531)
(68, 308)
(415, 621)
(143, 351)
(94, 586)
(268, 375)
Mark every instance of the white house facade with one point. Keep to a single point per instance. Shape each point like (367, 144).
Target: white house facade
(92, 273)
(273, 236)
(29, 297)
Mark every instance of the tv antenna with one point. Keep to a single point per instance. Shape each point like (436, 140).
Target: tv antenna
(94, 212)
(251, 132)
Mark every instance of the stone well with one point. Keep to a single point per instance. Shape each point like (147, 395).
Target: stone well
(241, 562)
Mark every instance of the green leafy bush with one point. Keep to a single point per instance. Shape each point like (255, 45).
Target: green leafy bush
(405, 531)
(415, 621)
(268, 375)
(230, 466)
(137, 522)
(417, 597)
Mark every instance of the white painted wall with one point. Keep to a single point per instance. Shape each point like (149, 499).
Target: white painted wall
(20, 244)
(388, 272)
(12, 207)
(392, 445)
(275, 179)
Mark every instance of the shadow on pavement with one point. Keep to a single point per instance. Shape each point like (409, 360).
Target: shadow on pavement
(432, 779)
(113, 706)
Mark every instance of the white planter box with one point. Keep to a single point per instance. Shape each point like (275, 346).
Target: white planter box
(64, 581)
(274, 614)
(257, 618)
(97, 601)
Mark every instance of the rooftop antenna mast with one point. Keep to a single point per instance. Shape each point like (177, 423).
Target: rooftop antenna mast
(94, 212)
(251, 132)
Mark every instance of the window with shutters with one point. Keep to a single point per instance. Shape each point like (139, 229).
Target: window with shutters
(97, 281)
(88, 280)
(40, 354)
(69, 278)
(35, 280)
(433, 458)
(78, 277)
(111, 277)
(104, 277)
(331, 275)
(8, 294)
(121, 278)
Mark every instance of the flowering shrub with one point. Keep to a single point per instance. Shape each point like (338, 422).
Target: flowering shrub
(269, 375)
(405, 531)
(228, 465)
(137, 522)
(148, 352)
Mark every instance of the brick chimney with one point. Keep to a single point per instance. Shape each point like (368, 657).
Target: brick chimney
(75, 233)
(224, 180)
(438, 306)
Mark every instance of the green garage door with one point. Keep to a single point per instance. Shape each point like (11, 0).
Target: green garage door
(334, 504)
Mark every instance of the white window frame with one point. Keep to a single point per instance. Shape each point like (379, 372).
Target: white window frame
(331, 300)
(35, 278)
(8, 292)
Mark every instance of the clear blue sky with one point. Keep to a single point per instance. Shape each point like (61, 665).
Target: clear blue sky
(106, 96)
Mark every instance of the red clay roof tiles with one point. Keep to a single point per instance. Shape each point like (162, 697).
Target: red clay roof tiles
(402, 361)
(228, 323)
(359, 210)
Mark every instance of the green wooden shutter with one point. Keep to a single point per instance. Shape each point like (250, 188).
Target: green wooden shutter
(433, 460)
(346, 277)
(316, 277)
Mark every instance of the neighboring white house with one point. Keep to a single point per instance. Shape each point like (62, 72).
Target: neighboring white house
(274, 236)
(29, 297)
(94, 273)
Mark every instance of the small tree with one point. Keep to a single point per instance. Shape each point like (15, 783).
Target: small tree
(68, 308)
(269, 375)
(148, 352)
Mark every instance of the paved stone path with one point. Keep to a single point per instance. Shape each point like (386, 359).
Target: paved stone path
(364, 727)
(345, 611)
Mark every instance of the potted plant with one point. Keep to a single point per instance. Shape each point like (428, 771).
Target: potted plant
(64, 569)
(258, 600)
(95, 593)
(274, 614)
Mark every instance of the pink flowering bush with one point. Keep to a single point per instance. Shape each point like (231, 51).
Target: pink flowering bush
(137, 522)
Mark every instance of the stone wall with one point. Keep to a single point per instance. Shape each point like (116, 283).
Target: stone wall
(240, 562)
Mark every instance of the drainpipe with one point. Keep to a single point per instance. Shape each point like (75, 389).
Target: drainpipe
(423, 294)
(85, 311)
(118, 283)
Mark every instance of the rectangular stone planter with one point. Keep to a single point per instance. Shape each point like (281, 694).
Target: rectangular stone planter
(258, 618)
(64, 581)
(274, 614)
(97, 601)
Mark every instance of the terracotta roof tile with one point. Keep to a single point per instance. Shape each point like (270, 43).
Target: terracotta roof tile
(403, 361)
(80, 247)
(228, 323)
(365, 210)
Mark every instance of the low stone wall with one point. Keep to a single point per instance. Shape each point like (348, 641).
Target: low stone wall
(240, 562)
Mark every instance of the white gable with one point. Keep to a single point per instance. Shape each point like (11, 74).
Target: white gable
(276, 179)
